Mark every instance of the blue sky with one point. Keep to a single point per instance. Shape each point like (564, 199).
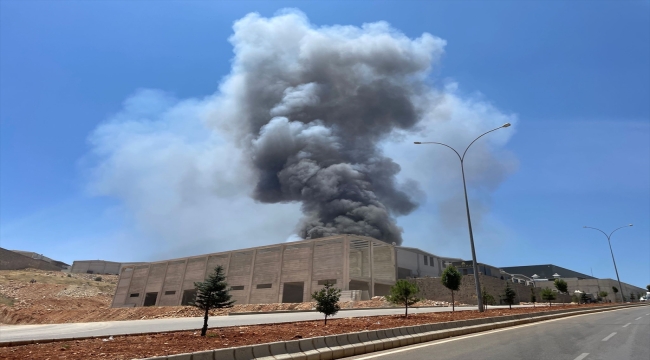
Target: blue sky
(574, 76)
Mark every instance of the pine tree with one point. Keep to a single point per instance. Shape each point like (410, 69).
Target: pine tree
(533, 298)
(327, 300)
(584, 298)
(213, 293)
(403, 293)
(487, 298)
(548, 295)
(451, 279)
(561, 286)
(509, 295)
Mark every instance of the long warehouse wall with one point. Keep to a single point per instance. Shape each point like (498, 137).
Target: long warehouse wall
(288, 272)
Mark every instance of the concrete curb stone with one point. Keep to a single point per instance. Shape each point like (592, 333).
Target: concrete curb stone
(293, 350)
(357, 346)
(322, 348)
(332, 343)
(262, 351)
(187, 356)
(225, 354)
(243, 353)
(278, 350)
(307, 348)
(203, 355)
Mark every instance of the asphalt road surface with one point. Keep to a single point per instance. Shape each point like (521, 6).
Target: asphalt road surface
(613, 335)
(107, 328)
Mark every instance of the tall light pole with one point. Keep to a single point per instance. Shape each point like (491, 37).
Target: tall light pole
(469, 221)
(610, 250)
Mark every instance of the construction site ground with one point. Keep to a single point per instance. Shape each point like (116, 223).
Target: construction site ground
(57, 297)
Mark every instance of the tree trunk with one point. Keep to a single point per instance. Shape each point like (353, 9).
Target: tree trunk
(325, 319)
(205, 323)
(406, 311)
(453, 307)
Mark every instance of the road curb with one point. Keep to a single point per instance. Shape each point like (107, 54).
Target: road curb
(353, 309)
(351, 344)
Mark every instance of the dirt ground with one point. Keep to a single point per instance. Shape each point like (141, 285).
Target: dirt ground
(57, 298)
(134, 347)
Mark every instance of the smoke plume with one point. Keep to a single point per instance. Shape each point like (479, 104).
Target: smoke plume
(307, 115)
(312, 105)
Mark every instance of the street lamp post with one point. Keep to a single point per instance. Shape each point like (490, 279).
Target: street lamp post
(612, 252)
(469, 221)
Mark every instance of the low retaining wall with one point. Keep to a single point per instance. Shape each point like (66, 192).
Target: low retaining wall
(10, 260)
(432, 289)
(345, 345)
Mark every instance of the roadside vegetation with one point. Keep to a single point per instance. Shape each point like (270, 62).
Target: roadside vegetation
(327, 300)
(451, 279)
(509, 295)
(213, 293)
(548, 295)
(404, 293)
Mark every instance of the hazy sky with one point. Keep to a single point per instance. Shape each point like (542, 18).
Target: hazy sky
(113, 143)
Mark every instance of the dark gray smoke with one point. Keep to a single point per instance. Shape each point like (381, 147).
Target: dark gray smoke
(311, 106)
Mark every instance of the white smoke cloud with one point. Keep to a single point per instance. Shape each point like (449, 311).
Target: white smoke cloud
(183, 168)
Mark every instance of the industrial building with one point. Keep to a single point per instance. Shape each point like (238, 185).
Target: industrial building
(416, 263)
(288, 272)
(545, 271)
(466, 267)
(99, 267)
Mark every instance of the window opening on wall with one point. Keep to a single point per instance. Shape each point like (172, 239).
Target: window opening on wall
(431, 261)
(150, 299)
(426, 258)
(188, 296)
(329, 281)
(238, 287)
(134, 295)
(264, 286)
(170, 292)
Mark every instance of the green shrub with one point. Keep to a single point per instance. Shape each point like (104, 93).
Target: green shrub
(548, 295)
(509, 295)
(403, 293)
(451, 279)
(327, 300)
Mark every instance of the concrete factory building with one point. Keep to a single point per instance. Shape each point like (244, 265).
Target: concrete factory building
(287, 272)
(99, 267)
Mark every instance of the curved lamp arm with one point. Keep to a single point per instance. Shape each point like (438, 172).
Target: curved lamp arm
(604, 233)
(462, 158)
(470, 144)
(437, 143)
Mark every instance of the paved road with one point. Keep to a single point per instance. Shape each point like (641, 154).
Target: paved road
(612, 335)
(106, 328)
